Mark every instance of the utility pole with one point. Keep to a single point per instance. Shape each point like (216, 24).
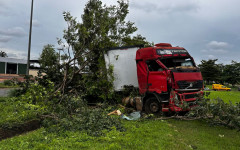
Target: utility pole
(30, 38)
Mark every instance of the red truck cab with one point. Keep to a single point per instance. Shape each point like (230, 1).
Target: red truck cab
(167, 77)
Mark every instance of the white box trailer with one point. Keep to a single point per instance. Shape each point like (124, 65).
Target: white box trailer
(123, 60)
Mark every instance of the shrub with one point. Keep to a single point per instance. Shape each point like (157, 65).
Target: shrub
(76, 115)
(8, 83)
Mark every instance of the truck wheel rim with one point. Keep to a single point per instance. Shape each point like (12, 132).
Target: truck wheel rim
(154, 107)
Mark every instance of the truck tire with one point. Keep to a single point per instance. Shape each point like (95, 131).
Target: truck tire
(152, 106)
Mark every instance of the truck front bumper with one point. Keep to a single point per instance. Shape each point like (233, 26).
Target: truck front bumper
(182, 101)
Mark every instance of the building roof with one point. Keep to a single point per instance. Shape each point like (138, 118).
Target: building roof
(13, 60)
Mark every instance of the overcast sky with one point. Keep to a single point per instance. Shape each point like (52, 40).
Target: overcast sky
(208, 29)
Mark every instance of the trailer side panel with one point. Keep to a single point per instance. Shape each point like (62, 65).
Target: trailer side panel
(124, 63)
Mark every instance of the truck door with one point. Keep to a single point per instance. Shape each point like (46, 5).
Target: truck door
(142, 76)
(157, 77)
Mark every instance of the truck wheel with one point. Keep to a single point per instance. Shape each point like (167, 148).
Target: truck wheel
(152, 106)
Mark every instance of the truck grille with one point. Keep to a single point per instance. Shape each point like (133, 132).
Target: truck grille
(191, 96)
(190, 85)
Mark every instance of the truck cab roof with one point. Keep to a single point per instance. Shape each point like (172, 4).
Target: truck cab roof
(160, 50)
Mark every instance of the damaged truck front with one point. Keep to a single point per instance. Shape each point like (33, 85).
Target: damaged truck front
(167, 77)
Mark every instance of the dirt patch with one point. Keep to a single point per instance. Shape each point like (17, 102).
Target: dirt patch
(20, 129)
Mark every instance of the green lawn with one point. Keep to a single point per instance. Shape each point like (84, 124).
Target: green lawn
(15, 112)
(147, 134)
(202, 135)
(226, 96)
(143, 134)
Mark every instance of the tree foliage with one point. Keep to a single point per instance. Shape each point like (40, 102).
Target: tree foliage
(50, 64)
(101, 27)
(231, 73)
(216, 111)
(220, 73)
(3, 54)
(210, 70)
(64, 85)
(49, 58)
(82, 69)
(136, 40)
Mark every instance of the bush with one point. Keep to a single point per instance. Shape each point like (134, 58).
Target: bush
(92, 121)
(8, 83)
(75, 115)
(60, 111)
(68, 112)
(36, 94)
(15, 92)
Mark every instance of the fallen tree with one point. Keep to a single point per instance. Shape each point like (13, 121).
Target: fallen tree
(214, 111)
(77, 74)
(83, 46)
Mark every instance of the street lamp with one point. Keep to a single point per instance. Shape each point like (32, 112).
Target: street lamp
(30, 38)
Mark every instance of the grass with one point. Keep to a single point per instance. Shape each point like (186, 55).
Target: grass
(226, 96)
(201, 135)
(2, 85)
(147, 134)
(143, 134)
(138, 135)
(15, 112)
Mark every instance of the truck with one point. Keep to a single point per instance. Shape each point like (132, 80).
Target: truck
(166, 76)
(218, 87)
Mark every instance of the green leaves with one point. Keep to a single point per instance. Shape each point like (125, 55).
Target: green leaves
(92, 121)
(15, 112)
(210, 70)
(39, 95)
(216, 111)
(221, 73)
(100, 28)
(83, 75)
(83, 68)
(48, 58)
(231, 73)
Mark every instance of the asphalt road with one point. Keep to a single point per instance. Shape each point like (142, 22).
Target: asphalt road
(4, 91)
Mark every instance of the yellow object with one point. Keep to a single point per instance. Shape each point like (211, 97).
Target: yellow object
(218, 87)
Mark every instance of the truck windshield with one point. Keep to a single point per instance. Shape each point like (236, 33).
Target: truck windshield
(177, 62)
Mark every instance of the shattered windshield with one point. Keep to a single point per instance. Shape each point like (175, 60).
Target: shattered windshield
(187, 63)
(178, 63)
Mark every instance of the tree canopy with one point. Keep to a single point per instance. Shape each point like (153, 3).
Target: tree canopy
(210, 70)
(50, 64)
(231, 73)
(84, 43)
(101, 27)
(220, 73)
